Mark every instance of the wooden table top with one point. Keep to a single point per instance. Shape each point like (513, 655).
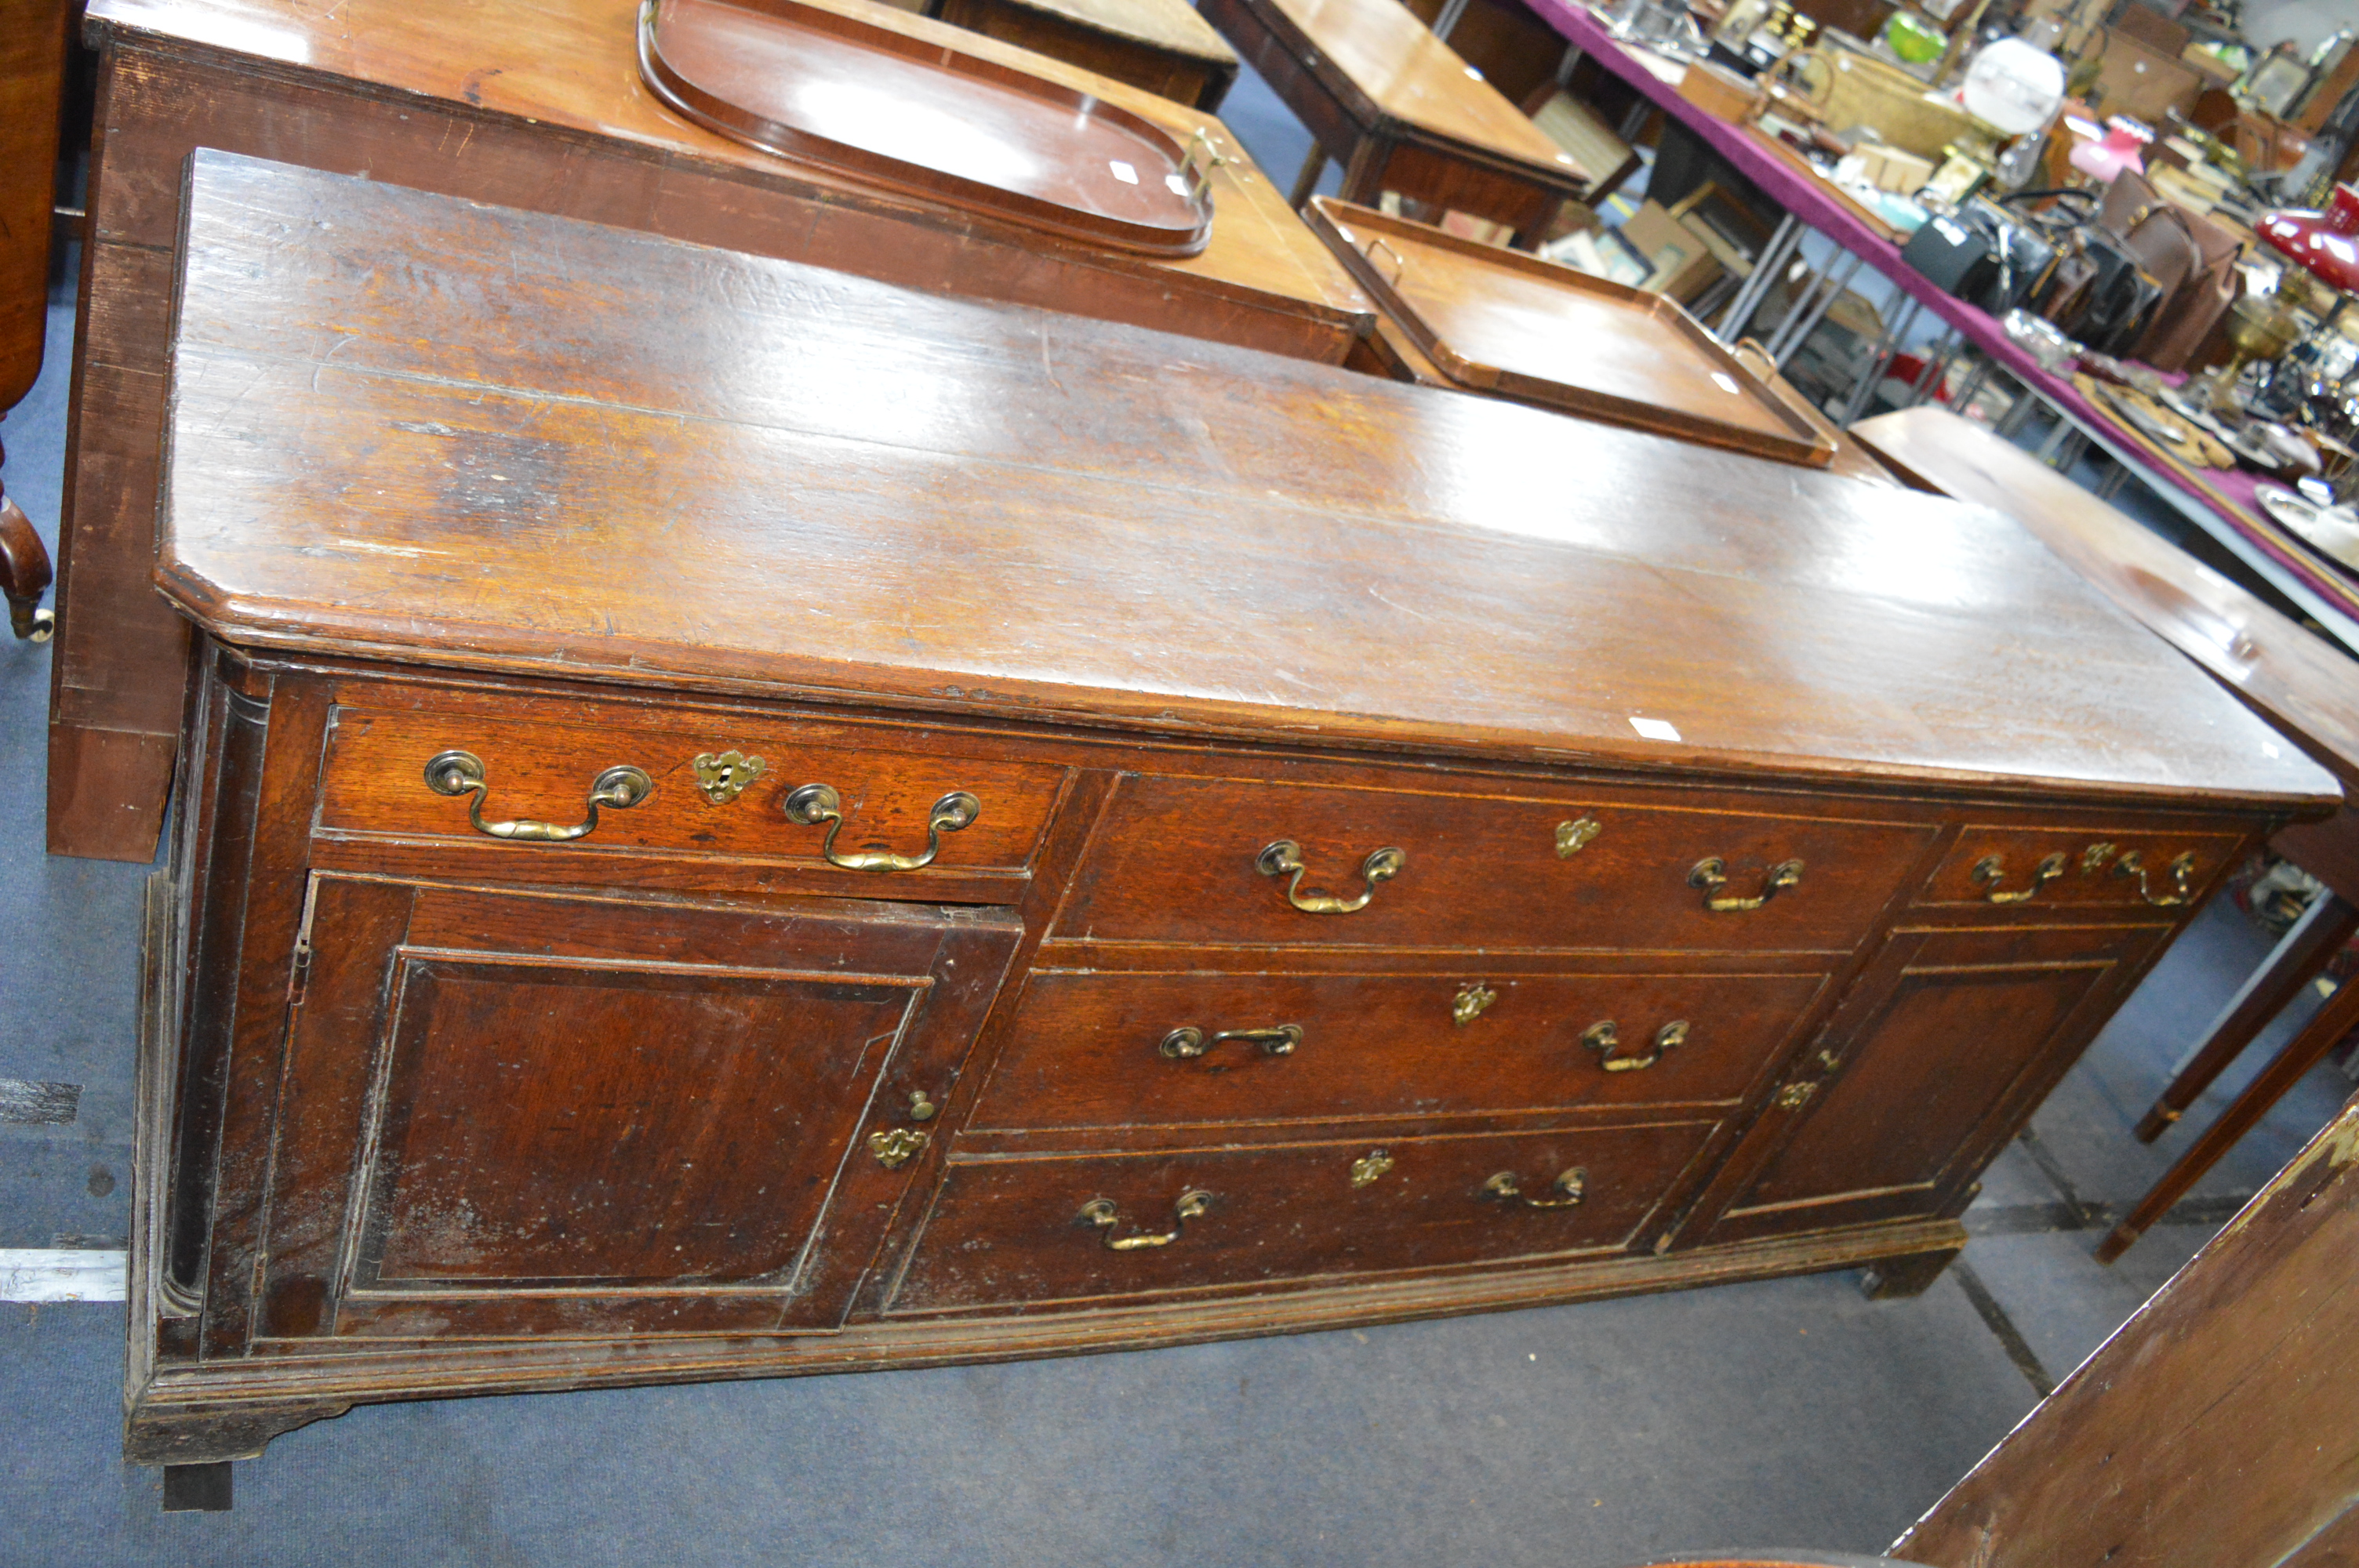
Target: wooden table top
(1412, 76)
(469, 437)
(2296, 680)
(572, 65)
(1173, 26)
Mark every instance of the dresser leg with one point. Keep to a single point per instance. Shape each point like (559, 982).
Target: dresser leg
(197, 1488)
(1897, 1278)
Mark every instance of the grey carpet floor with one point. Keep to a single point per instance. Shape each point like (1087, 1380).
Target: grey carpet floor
(1792, 1412)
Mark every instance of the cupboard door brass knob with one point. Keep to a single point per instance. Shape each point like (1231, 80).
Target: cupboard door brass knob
(1187, 1042)
(1572, 1185)
(2180, 870)
(1991, 871)
(1101, 1212)
(921, 1108)
(1473, 1000)
(1285, 858)
(815, 802)
(462, 773)
(1602, 1038)
(1711, 874)
(894, 1146)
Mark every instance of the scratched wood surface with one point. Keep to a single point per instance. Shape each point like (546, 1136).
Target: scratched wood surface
(2213, 1427)
(788, 480)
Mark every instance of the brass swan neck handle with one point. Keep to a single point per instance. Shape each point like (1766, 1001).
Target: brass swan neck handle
(462, 773)
(1711, 874)
(1284, 858)
(1101, 1213)
(813, 804)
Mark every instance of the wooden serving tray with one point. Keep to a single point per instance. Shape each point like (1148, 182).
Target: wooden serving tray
(897, 111)
(1500, 321)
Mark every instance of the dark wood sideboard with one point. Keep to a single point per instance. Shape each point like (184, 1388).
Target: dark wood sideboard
(536, 105)
(1236, 845)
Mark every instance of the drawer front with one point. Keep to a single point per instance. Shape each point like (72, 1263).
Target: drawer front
(1078, 1228)
(1183, 860)
(1114, 1050)
(533, 769)
(2039, 868)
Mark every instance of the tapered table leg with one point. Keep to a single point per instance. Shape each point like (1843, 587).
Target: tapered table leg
(2335, 1019)
(2310, 947)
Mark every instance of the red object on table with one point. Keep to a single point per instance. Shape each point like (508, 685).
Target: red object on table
(2325, 244)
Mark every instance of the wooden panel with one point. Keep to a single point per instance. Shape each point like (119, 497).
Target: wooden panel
(2215, 1425)
(1176, 860)
(1934, 1057)
(1807, 647)
(647, 1100)
(2080, 867)
(1011, 1231)
(537, 769)
(1087, 1049)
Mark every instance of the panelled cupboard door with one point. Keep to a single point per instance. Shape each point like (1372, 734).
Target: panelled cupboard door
(515, 1113)
(1940, 1050)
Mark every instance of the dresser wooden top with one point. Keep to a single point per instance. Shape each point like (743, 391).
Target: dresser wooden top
(571, 65)
(410, 427)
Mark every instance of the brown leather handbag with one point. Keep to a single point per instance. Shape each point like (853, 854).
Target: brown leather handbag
(2192, 260)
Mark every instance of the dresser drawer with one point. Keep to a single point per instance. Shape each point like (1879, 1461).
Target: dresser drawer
(1189, 861)
(1114, 1050)
(2038, 866)
(545, 772)
(1071, 1228)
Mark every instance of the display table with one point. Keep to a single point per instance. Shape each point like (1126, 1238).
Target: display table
(538, 106)
(2221, 508)
(1391, 102)
(743, 821)
(1162, 46)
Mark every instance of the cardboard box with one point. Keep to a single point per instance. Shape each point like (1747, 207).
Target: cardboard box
(1683, 265)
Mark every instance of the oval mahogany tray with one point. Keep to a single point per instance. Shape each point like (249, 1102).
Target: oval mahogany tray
(914, 115)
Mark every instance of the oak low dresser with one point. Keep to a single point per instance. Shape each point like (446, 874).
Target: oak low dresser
(739, 820)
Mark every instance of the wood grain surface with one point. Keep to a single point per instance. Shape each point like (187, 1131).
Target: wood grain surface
(2214, 1426)
(32, 76)
(1029, 515)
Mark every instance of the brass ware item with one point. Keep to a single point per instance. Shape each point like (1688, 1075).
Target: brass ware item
(1473, 1000)
(894, 1146)
(1711, 874)
(1991, 871)
(1101, 1213)
(722, 776)
(1284, 858)
(1573, 1186)
(1188, 1042)
(815, 802)
(1604, 1038)
(462, 773)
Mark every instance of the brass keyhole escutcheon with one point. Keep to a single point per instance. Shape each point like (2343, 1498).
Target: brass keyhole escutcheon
(723, 776)
(894, 1146)
(1573, 837)
(1369, 1166)
(1474, 1000)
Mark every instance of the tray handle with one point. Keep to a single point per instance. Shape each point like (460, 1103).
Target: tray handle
(1400, 264)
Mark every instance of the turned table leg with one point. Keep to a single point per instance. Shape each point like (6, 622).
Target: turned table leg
(2316, 938)
(24, 571)
(2335, 1019)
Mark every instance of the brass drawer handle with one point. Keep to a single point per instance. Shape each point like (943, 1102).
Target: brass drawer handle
(2181, 871)
(1990, 870)
(1602, 1038)
(1188, 1042)
(462, 773)
(815, 802)
(1711, 874)
(1100, 1213)
(1285, 856)
(1573, 1183)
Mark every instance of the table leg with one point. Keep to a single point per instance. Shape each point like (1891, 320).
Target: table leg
(2055, 441)
(2329, 923)
(1864, 393)
(2338, 1018)
(1748, 299)
(1306, 184)
(1364, 175)
(1450, 11)
(1794, 334)
(1935, 363)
